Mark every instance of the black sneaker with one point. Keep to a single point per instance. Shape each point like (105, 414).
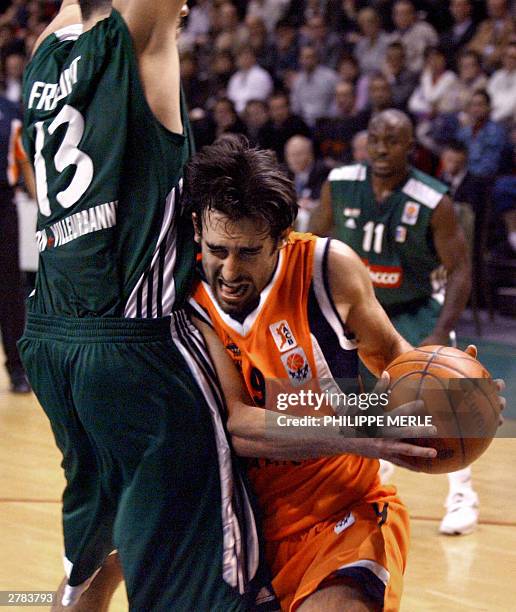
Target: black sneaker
(19, 383)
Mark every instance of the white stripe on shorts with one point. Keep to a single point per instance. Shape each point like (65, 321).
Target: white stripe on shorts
(240, 545)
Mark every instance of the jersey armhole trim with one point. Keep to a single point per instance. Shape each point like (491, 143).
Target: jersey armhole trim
(196, 310)
(69, 32)
(323, 293)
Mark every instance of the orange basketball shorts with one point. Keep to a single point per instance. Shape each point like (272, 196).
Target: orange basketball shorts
(368, 543)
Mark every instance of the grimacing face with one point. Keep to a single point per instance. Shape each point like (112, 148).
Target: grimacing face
(238, 259)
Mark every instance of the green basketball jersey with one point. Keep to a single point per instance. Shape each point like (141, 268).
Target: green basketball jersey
(394, 238)
(108, 178)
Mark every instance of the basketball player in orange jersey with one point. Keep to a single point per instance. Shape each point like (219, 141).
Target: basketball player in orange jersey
(297, 308)
(295, 312)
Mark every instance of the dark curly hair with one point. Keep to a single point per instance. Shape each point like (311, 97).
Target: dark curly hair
(240, 182)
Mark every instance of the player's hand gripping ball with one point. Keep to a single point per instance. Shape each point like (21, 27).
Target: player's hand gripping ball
(460, 396)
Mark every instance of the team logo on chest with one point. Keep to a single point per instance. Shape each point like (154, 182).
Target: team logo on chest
(283, 336)
(401, 233)
(297, 366)
(410, 213)
(233, 351)
(351, 212)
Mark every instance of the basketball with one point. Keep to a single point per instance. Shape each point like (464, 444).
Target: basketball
(459, 395)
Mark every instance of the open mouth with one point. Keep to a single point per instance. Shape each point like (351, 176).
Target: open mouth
(231, 291)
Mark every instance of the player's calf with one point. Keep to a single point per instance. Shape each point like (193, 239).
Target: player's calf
(98, 595)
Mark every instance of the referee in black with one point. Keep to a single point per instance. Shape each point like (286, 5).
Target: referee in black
(12, 305)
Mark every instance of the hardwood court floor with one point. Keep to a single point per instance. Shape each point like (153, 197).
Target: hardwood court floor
(445, 574)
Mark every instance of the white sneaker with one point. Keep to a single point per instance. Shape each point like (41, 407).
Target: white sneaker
(386, 471)
(461, 513)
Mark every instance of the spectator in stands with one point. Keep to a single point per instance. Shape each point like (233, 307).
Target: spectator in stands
(308, 175)
(313, 90)
(195, 89)
(226, 118)
(281, 126)
(371, 46)
(359, 147)
(284, 51)
(14, 64)
(380, 98)
(258, 40)
(250, 81)
(471, 78)
(494, 34)
(502, 87)
(464, 186)
(415, 35)
(223, 120)
(486, 140)
(255, 116)
(349, 70)
(221, 69)
(326, 43)
(199, 24)
(504, 201)
(230, 34)
(333, 135)
(462, 30)
(270, 11)
(435, 92)
(402, 80)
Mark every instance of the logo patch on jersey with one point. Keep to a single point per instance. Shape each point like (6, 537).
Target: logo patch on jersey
(410, 213)
(385, 277)
(350, 223)
(351, 212)
(346, 522)
(283, 336)
(233, 351)
(401, 233)
(297, 366)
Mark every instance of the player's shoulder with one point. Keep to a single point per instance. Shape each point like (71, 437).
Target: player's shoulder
(298, 239)
(424, 189)
(353, 172)
(64, 38)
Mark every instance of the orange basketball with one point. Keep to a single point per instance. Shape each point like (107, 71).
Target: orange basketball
(459, 395)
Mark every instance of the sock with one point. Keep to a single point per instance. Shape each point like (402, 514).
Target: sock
(460, 480)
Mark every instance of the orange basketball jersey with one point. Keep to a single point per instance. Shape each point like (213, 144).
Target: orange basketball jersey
(293, 340)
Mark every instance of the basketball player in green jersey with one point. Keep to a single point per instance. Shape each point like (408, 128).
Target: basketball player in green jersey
(402, 224)
(120, 371)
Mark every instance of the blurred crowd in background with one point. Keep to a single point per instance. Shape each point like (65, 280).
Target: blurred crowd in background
(303, 77)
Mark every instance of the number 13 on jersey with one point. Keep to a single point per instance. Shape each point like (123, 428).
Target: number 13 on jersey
(67, 154)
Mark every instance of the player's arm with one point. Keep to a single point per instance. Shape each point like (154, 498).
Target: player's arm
(353, 294)
(452, 250)
(255, 432)
(321, 220)
(69, 14)
(25, 167)
(154, 28)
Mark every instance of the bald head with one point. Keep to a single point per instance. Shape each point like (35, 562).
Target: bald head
(390, 139)
(299, 153)
(395, 119)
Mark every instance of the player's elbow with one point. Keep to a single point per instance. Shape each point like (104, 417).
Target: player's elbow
(245, 425)
(243, 447)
